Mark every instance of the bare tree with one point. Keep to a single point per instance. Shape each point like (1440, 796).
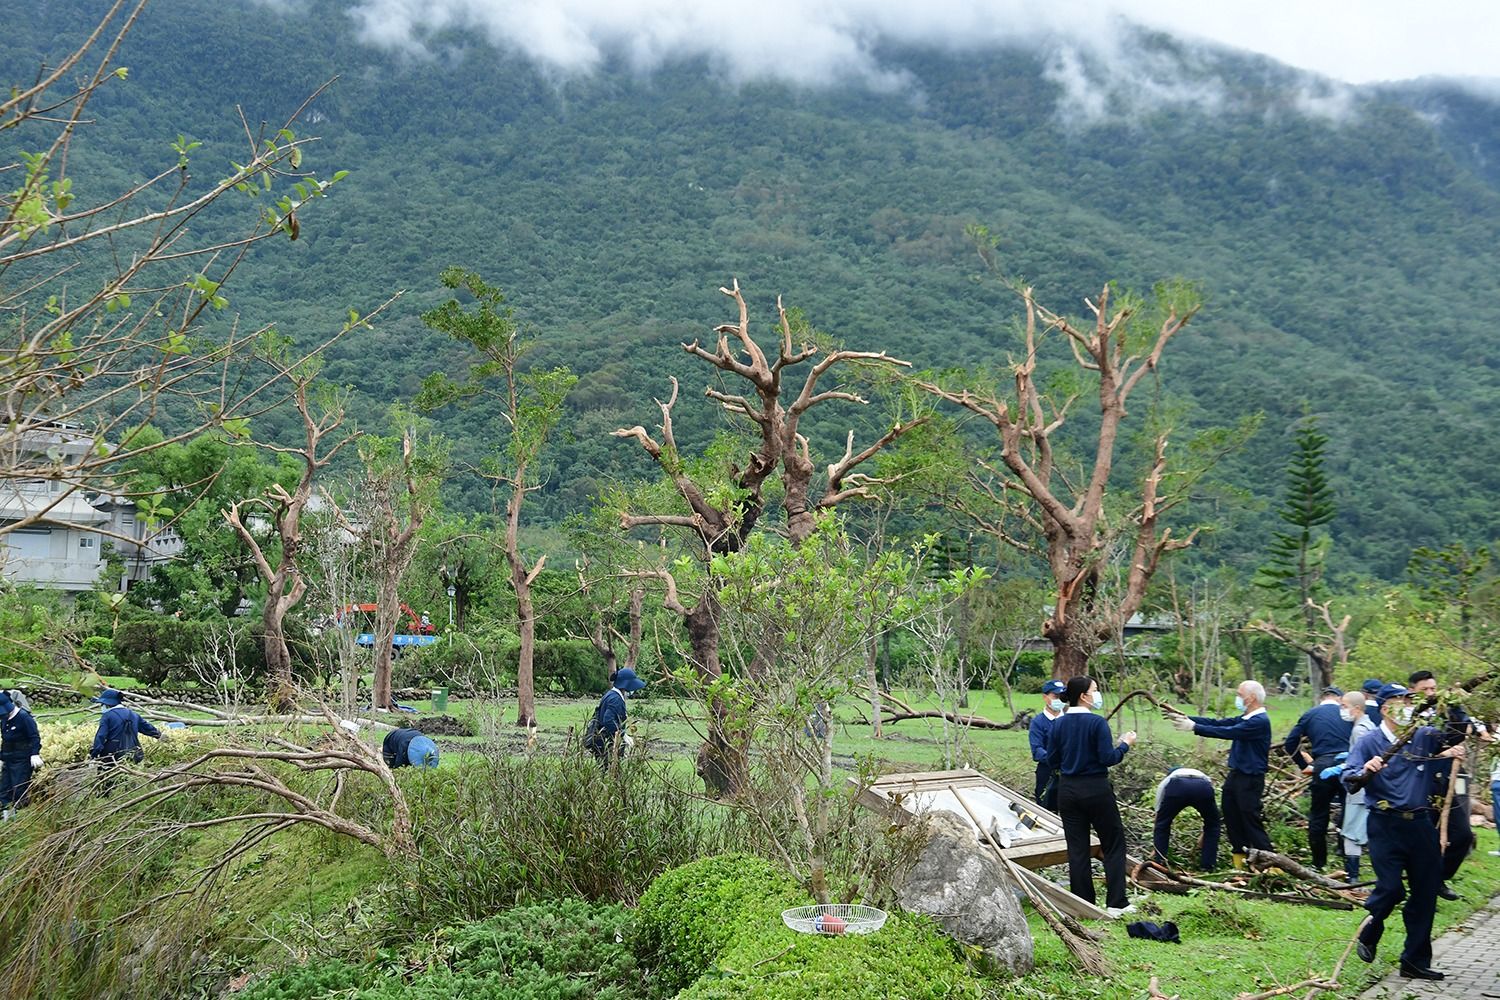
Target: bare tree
(718, 521)
(530, 404)
(286, 581)
(104, 330)
(1033, 506)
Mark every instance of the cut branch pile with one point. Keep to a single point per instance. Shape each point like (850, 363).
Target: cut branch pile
(903, 711)
(1312, 889)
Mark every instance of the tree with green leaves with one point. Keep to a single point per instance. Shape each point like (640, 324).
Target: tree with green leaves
(1028, 498)
(1292, 577)
(530, 404)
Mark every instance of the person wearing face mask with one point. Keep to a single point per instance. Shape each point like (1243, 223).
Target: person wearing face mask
(607, 728)
(1423, 685)
(1371, 687)
(1356, 813)
(1186, 788)
(1249, 758)
(20, 754)
(1081, 751)
(1041, 728)
(1326, 732)
(1402, 828)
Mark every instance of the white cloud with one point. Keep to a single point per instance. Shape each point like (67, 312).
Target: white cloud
(818, 41)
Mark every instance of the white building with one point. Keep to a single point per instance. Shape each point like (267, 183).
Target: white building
(64, 549)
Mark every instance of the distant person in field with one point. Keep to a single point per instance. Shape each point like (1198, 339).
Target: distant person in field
(408, 748)
(20, 754)
(605, 735)
(119, 736)
(1045, 794)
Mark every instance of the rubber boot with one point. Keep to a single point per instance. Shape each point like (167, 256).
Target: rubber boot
(1351, 868)
(1237, 862)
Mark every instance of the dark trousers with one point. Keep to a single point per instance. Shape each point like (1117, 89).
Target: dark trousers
(1242, 812)
(1324, 793)
(15, 781)
(1090, 802)
(1460, 836)
(1188, 793)
(1046, 787)
(1407, 846)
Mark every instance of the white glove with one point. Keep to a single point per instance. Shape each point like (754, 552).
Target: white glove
(1183, 723)
(36, 760)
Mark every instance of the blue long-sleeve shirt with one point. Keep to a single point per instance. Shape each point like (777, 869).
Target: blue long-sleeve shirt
(19, 739)
(1080, 744)
(1250, 749)
(1406, 782)
(610, 715)
(119, 734)
(1325, 731)
(1039, 732)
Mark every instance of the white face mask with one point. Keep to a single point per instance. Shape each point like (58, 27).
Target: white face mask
(1403, 714)
(1346, 715)
(1239, 703)
(1055, 705)
(1098, 701)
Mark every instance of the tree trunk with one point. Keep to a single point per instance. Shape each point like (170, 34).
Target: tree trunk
(279, 688)
(1068, 660)
(874, 681)
(388, 605)
(525, 665)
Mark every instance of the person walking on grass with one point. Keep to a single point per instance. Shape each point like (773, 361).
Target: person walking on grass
(1039, 732)
(1403, 828)
(118, 737)
(1326, 733)
(1081, 751)
(20, 754)
(1249, 734)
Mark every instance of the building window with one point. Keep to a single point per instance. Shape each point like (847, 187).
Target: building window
(86, 542)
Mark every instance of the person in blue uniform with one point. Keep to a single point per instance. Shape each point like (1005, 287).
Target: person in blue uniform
(1326, 734)
(20, 754)
(607, 728)
(1249, 758)
(1460, 834)
(1041, 727)
(1187, 788)
(1402, 829)
(1371, 687)
(408, 748)
(1081, 750)
(118, 737)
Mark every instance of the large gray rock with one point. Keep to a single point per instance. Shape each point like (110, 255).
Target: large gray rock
(961, 885)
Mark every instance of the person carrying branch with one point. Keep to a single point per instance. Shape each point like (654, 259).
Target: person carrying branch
(1039, 733)
(1397, 777)
(20, 754)
(1082, 751)
(1326, 733)
(1249, 758)
(1459, 834)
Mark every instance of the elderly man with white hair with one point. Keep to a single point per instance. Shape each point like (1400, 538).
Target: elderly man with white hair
(1249, 734)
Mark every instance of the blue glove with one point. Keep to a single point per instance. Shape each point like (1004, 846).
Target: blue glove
(1343, 756)
(1330, 772)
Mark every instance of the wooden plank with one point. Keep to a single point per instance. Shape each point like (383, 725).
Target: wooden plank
(1061, 899)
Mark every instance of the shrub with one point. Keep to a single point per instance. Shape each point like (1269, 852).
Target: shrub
(692, 914)
(709, 923)
(497, 832)
(307, 982)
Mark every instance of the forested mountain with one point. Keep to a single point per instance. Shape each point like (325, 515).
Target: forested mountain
(1345, 246)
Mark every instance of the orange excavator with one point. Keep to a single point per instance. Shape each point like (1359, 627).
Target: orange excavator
(415, 630)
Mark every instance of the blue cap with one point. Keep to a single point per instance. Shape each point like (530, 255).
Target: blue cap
(1371, 686)
(1054, 687)
(5, 702)
(109, 696)
(1389, 691)
(626, 680)
(422, 752)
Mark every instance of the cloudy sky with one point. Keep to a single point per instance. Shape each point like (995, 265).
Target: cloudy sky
(1354, 41)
